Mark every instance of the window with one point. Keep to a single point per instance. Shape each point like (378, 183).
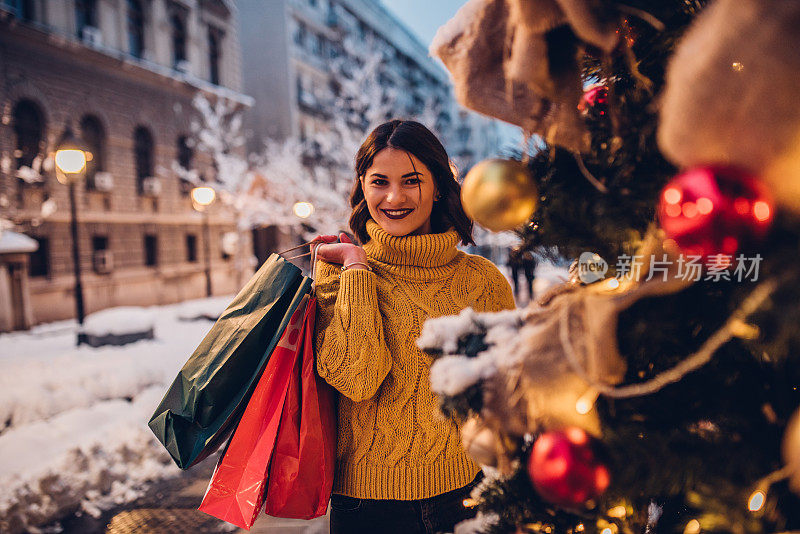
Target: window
(99, 243)
(300, 34)
(185, 157)
(94, 139)
(85, 15)
(214, 52)
(150, 250)
(101, 260)
(29, 130)
(135, 28)
(26, 9)
(316, 44)
(178, 27)
(191, 248)
(40, 259)
(143, 155)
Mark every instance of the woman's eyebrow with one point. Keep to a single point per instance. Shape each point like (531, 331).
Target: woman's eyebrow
(407, 175)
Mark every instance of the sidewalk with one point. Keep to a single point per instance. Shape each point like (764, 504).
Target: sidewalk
(170, 507)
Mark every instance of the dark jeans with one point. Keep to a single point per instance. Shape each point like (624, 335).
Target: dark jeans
(439, 513)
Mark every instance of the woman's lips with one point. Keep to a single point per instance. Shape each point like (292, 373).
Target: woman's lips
(397, 214)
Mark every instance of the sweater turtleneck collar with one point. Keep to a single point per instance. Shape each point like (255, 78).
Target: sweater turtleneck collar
(425, 255)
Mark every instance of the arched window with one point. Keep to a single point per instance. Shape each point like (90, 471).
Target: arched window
(85, 15)
(185, 157)
(29, 131)
(143, 154)
(27, 10)
(178, 27)
(135, 20)
(214, 53)
(94, 138)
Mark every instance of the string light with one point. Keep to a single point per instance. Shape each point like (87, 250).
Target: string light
(672, 195)
(756, 501)
(704, 205)
(580, 527)
(470, 503)
(761, 211)
(586, 401)
(618, 512)
(692, 527)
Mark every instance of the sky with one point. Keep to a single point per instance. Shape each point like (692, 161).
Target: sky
(424, 17)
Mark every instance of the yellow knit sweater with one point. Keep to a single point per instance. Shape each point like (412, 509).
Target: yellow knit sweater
(392, 441)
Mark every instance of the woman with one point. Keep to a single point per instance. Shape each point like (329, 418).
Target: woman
(400, 463)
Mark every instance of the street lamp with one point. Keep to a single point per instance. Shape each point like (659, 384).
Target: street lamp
(202, 198)
(70, 159)
(304, 210)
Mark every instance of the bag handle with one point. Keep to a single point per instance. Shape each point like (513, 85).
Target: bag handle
(312, 253)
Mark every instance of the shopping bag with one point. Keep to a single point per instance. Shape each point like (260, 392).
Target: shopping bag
(236, 491)
(301, 472)
(206, 399)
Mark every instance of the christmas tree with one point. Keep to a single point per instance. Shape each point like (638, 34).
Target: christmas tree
(657, 390)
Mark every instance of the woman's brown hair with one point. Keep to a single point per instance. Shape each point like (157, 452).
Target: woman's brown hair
(416, 139)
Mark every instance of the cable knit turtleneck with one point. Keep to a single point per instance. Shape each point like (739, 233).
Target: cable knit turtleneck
(392, 442)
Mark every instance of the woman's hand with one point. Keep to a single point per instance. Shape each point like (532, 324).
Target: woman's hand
(343, 253)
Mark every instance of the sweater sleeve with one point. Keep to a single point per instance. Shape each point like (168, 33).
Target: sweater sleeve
(352, 355)
(497, 294)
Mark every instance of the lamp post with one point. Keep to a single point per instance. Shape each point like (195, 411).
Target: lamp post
(202, 198)
(70, 159)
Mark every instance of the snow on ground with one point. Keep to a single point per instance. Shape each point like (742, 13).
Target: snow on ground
(75, 418)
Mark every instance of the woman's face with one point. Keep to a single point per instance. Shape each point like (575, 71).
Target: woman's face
(399, 193)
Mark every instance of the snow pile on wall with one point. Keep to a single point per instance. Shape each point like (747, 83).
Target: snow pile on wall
(118, 321)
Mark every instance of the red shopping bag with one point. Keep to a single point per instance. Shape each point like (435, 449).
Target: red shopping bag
(301, 472)
(237, 486)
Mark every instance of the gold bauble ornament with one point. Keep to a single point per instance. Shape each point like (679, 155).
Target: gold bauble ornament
(499, 194)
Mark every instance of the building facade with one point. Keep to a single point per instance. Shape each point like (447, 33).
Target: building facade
(290, 48)
(121, 75)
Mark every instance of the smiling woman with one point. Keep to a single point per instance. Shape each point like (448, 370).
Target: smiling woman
(400, 465)
(408, 158)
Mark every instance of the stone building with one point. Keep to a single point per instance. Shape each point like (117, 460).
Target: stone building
(288, 47)
(121, 75)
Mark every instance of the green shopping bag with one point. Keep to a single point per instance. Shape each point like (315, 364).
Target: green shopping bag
(205, 401)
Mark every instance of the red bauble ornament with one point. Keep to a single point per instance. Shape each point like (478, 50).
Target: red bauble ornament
(715, 210)
(565, 470)
(595, 97)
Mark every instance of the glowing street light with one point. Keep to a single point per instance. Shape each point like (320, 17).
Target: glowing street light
(304, 210)
(70, 159)
(202, 197)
